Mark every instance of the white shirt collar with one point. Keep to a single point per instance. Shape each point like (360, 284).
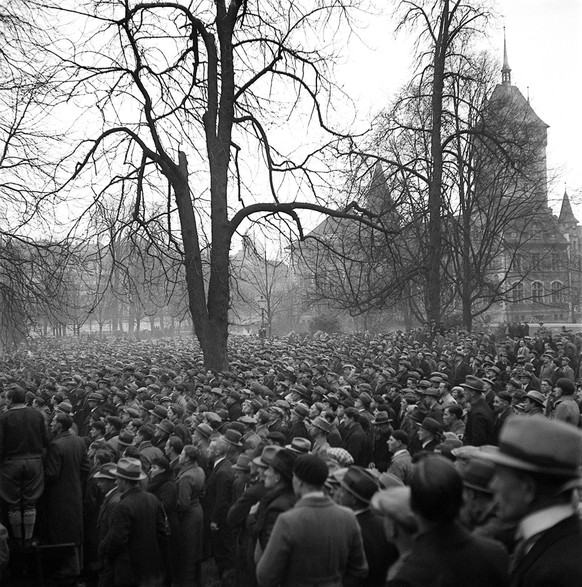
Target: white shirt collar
(218, 461)
(542, 520)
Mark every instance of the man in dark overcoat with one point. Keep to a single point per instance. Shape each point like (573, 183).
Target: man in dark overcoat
(480, 419)
(66, 469)
(136, 539)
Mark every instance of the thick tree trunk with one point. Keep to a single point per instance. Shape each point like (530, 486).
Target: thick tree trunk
(211, 329)
(433, 297)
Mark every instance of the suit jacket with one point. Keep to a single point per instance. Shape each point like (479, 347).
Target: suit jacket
(380, 553)
(480, 423)
(448, 556)
(135, 541)
(219, 494)
(356, 443)
(554, 559)
(106, 511)
(317, 543)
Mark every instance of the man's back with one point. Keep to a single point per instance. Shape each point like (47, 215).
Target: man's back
(448, 556)
(315, 543)
(133, 541)
(22, 432)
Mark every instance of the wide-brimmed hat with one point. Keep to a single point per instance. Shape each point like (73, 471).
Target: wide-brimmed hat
(477, 475)
(394, 503)
(301, 410)
(204, 430)
(322, 424)
(538, 445)
(125, 438)
(166, 426)
(128, 468)
(107, 471)
(243, 463)
(382, 418)
(360, 483)
(299, 445)
(473, 383)
(431, 425)
(233, 437)
(283, 462)
(160, 412)
(267, 455)
(536, 396)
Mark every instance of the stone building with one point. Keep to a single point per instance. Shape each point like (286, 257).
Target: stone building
(541, 260)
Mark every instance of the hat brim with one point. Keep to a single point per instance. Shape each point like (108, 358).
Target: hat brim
(499, 458)
(471, 388)
(141, 477)
(238, 468)
(238, 444)
(353, 492)
(102, 476)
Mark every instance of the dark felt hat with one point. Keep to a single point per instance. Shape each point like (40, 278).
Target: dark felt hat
(361, 483)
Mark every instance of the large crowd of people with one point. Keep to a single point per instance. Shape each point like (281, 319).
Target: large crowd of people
(416, 458)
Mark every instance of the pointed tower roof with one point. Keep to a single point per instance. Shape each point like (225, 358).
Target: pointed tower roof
(566, 213)
(505, 70)
(508, 101)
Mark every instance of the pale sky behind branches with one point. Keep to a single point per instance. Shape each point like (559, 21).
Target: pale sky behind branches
(544, 42)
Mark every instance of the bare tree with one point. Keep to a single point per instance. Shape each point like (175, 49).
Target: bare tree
(186, 96)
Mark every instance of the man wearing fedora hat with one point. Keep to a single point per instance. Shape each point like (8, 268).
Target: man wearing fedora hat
(534, 403)
(357, 487)
(136, 538)
(480, 419)
(318, 431)
(537, 469)
(297, 419)
(382, 430)
(430, 401)
(278, 499)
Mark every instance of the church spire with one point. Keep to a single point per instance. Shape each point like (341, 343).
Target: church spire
(566, 213)
(506, 70)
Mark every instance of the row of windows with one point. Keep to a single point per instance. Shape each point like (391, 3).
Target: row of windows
(555, 262)
(556, 293)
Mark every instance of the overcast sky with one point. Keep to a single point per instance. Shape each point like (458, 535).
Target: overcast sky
(544, 40)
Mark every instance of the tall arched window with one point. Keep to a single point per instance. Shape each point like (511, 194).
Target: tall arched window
(557, 288)
(517, 293)
(537, 291)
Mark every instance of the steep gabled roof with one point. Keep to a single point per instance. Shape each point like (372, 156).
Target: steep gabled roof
(509, 101)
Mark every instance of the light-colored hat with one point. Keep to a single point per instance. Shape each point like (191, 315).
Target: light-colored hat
(128, 468)
(549, 447)
(299, 445)
(536, 396)
(394, 503)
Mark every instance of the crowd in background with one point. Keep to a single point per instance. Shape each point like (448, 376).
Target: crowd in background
(145, 464)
